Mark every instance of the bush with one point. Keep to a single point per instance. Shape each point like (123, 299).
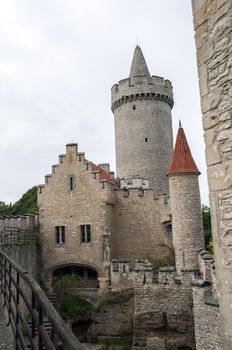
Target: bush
(69, 309)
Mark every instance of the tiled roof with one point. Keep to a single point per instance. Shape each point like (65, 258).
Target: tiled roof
(182, 160)
(103, 175)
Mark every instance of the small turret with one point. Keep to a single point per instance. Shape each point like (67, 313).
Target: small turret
(185, 203)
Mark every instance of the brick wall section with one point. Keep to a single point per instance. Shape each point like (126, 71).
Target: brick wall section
(137, 229)
(90, 202)
(206, 319)
(213, 35)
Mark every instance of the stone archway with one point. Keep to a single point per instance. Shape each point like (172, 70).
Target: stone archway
(86, 275)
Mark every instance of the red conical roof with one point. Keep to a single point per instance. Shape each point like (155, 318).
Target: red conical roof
(182, 160)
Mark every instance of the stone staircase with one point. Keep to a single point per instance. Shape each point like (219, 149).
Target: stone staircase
(52, 298)
(48, 328)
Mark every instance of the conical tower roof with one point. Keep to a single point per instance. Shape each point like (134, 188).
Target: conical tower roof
(182, 161)
(138, 66)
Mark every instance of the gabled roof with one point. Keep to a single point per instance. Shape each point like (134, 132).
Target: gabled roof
(182, 161)
(103, 175)
(138, 66)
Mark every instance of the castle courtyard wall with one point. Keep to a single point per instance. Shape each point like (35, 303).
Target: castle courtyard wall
(206, 320)
(163, 312)
(213, 36)
(137, 229)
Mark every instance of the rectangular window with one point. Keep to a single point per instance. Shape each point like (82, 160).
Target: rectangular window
(60, 235)
(85, 234)
(71, 183)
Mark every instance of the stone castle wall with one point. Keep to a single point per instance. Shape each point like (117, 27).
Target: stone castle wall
(205, 305)
(163, 310)
(138, 231)
(19, 238)
(89, 203)
(213, 35)
(206, 319)
(29, 222)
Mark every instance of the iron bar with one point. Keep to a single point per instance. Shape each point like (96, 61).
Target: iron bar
(16, 283)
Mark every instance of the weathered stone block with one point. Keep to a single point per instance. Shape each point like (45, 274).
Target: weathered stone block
(203, 83)
(216, 177)
(213, 155)
(156, 343)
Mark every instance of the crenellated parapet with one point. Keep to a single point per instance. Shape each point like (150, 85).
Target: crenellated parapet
(133, 182)
(142, 88)
(27, 222)
(145, 274)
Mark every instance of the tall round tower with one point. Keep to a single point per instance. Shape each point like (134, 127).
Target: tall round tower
(143, 127)
(185, 203)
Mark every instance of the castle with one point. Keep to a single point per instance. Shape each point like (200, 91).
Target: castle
(139, 232)
(95, 225)
(89, 218)
(111, 231)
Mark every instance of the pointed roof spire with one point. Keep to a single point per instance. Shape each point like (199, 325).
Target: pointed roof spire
(182, 160)
(138, 66)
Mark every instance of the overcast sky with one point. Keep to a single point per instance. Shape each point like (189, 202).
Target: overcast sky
(58, 62)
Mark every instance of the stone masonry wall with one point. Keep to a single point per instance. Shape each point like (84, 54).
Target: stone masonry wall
(206, 319)
(137, 134)
(137, 229)
(89, 203)
(163, 316)
(187, 227)
(213, 35)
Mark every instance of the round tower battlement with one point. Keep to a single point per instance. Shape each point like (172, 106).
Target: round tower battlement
(143, 125)
(141, 87)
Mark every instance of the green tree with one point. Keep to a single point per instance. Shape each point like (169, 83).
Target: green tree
(207, 228)
(5, 209)
(27, 204)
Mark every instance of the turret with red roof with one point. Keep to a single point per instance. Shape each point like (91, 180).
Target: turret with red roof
(187, 227)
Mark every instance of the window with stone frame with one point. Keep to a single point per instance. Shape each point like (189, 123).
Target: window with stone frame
(85, 231)
(60, 235)
(71, 183)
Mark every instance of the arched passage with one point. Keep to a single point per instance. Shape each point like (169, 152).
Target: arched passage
(87, 276)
